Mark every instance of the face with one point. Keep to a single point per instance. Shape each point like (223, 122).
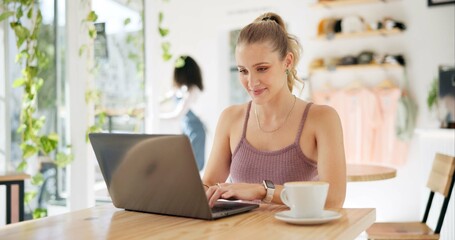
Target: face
(261, 71)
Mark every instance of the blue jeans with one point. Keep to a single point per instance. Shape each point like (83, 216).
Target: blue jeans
(193, 127)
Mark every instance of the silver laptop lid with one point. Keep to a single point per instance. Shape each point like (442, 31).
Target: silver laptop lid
(151, 173)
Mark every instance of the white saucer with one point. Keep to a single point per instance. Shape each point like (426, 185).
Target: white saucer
(327, 216)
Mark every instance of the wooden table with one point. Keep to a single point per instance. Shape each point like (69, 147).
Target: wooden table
(365, 172)
(108, 222)
(9, 179)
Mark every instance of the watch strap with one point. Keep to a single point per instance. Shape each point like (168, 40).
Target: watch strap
(269, 192)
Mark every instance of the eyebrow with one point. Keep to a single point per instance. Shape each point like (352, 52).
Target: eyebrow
(260, 63)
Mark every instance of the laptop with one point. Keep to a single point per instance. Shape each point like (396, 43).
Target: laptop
(157, 174)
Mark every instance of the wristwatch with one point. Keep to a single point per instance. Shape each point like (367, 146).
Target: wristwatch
(270, 190)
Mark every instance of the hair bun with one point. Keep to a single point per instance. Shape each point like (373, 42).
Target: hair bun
(269, 18)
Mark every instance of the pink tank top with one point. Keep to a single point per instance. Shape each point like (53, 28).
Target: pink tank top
(250, 165)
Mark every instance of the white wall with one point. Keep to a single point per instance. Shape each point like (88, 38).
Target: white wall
(200, 27)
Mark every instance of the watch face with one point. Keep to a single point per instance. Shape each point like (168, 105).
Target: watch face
(269, 184)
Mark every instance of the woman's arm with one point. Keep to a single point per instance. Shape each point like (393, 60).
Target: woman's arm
(330, 154)
(183, 106)
(218, 164)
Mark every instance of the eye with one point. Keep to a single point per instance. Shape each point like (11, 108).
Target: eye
(242, 71)
(262, 69)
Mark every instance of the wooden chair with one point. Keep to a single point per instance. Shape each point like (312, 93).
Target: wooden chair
(441, 180)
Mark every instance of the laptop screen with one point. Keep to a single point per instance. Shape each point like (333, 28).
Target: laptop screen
(151, 173)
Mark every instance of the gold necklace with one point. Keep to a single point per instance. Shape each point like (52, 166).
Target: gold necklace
(278, 128)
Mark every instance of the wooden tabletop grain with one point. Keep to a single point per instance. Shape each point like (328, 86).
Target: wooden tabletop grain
(108, 222)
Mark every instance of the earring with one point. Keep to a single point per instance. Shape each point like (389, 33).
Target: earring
(287, 71)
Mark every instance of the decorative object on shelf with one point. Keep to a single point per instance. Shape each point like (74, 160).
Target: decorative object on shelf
(432, 3)
(354, 26)
(365, 58)
(389, 24)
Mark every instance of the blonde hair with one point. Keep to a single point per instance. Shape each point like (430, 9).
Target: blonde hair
(270, 27)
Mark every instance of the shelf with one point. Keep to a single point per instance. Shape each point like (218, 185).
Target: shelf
(381, 32)
(357, 67)
(442, 133)
(344, 3)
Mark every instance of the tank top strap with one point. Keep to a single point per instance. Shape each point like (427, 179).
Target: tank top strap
(302, 123)
(245, 123)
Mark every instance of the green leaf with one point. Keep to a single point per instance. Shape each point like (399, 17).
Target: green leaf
(92, 129)
(180, 62)
(28, 150)
(160, 18)
(30, 13)
(21, 32)
(37, 25)
(5, 15)
(82, 49)
(22, 166)
(53, 136)
(48, 144)
(39, 213)
(21, 128)
(19, 13)
(92, 17)
(126, 21)
(39, 18)
(163, 31)
(101, 119)
(63, 159)
(37, 180)
(21, 55)
(29, 196)
(92, 33)
(166, 56)
(166, 46)
(31, 71)
(18, 82)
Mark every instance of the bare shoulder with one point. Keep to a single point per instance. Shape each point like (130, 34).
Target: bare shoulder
(322, 112)
(321, 116)
(234, 112)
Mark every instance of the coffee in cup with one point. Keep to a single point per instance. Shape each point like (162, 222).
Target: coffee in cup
(306, 199)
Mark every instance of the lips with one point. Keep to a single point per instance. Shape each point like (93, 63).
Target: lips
(257, 92)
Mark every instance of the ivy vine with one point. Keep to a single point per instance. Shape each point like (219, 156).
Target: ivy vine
(25, 20)
(164, 32)
(92, 95)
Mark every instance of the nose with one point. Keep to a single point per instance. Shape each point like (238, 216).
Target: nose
(253, 81)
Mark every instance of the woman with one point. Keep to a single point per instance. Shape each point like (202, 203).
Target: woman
(276, 136)
(188, 85)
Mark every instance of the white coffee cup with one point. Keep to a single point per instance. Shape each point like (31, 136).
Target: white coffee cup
(305, 199)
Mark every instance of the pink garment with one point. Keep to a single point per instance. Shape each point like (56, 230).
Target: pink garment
(361, 122)
(368, 118)
(387, 149)
(359, 114)
(250, 165)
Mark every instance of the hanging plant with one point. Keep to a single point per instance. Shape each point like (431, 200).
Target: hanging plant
(25, 20)
(164, 31)
(92, 95)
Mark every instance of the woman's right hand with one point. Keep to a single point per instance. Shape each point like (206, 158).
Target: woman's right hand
(239, 191)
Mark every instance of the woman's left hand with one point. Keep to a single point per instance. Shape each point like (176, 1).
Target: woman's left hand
(240, 191)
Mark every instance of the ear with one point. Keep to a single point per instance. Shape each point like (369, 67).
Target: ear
(288, 60)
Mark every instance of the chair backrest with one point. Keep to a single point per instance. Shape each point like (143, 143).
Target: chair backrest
(441, 180)
(441, 174)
